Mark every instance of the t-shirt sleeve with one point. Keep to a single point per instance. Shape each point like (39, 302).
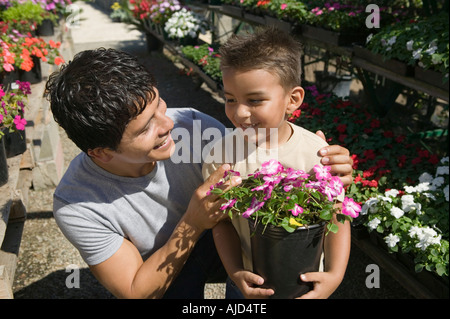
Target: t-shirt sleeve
(93, 239)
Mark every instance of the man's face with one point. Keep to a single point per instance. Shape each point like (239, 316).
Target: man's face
(147, 138)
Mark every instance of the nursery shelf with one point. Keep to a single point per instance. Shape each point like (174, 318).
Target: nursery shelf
(406, 277)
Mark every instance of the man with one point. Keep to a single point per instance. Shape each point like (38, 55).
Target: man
(139, 219)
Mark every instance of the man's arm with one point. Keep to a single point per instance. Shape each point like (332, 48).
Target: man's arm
(126, 275)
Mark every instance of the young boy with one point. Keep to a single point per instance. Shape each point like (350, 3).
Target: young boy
(261, 79)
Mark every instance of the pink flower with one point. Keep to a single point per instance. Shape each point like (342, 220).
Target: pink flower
(271, 167)
(350, 207)
(8, 67)
(228, 204)
(322, 172)
(296, 210)
(20, 123)
(283, 6)
(254, 206)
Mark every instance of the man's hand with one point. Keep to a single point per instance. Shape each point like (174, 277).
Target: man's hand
(203, 211)
(339, 159)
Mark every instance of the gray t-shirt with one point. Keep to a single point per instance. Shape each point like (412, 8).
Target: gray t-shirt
(96, 209)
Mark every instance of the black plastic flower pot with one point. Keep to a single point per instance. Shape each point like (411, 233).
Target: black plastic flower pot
(46, 28)
(34, 75)
(15, 143)
(281, 257)
(3, 164)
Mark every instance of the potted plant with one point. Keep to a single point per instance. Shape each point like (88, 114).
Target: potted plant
(24, 54)
(32, 13)
(417, 43)
(117, 14)
(208, 60)
(12, 121)
(289, 211)
(185, 26)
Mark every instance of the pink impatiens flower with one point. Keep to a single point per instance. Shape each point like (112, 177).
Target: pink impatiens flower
(271, 167)
(296, 210)
(283, 6)
(254, 206)
(322, 172)
(228, 204)
(20, 123)
(350, 207)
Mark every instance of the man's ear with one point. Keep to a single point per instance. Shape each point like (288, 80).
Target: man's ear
(100, 153)
(296, 99)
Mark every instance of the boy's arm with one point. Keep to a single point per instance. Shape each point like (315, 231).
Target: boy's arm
(337, 252)
(228, 246)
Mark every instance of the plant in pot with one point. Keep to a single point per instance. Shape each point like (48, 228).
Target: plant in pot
(185, 26)
(33, 13)
(24, 54)
(288, 212)
(12, 121)
(118, 14)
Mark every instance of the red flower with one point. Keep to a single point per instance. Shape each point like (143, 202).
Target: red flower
(341, 128)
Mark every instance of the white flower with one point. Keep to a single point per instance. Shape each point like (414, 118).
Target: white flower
(368, 204)
(416, 54)
(425, 178)
(391, 240)
(409, 45)
(374, 223)
(414, 231)
(397, 212)
(446, 193)
(391, 192)
(442, 170)
(392, 40)
(408, 203)
(445, 160)
(422, 187)
(409, 189)
(438, 181)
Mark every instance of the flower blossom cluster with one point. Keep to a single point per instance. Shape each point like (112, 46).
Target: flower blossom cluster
(412, 218)
(185, 23)
(288, 197)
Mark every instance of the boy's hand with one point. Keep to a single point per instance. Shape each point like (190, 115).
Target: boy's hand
(325, 283)
(247, 283)
(339, 159)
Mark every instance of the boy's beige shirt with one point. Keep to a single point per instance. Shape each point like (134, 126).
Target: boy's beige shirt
(300, 152)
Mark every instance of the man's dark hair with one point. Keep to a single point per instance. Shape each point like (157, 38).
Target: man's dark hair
(96, 95)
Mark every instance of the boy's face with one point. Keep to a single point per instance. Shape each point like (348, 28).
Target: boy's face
(255, 99)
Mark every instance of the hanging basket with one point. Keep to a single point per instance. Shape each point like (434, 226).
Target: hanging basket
(281, 257)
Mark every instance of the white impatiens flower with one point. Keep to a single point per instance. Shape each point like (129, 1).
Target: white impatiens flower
(438, 181)
(397, 212)
(409, 189)
(373, 224)
(408, 202)
(446, 193)
(369, 206)
(425, 178)
(442, 170)
(391, 240)
(409, 45)
(414, 231)
(392, 193)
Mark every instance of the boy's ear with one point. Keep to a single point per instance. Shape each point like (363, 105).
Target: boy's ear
(296, 99)
(101, 154)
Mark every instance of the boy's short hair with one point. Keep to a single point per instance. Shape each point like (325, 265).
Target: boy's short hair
(266, 48)
(96, 95)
